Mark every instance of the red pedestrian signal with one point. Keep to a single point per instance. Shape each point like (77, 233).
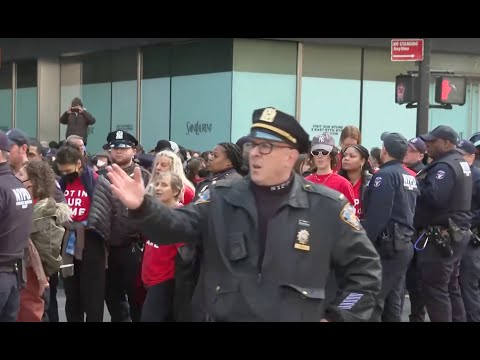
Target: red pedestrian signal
(451, 90)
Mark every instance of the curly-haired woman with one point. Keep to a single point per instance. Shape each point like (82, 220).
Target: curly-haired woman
(43, 253)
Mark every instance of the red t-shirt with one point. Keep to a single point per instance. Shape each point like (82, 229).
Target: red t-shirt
(188, 195)
(335, 182)
(357, 200)
(78, 200)
(158, 263)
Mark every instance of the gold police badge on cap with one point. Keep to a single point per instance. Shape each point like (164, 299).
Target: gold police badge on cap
(268, 115)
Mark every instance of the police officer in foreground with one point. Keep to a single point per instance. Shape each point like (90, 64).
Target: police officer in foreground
(390, 202)
(470, 265)
(16, 222)
(443, 218)
(269, 240)
(109, 219)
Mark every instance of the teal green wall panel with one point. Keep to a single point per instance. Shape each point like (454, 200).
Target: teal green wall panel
(201, 110)
(27, 110)
(97, 100)
(155, 122)
(124, 106)
(328, 105)
(381, 113)
(5, 109)
(256, 90)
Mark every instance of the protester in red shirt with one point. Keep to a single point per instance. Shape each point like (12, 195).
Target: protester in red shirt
(350, 136)
(356, 168)
(158, 266)
(167, 160)
(324, 154)
(83, 275)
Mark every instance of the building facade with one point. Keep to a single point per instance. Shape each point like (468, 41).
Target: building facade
(199, 92)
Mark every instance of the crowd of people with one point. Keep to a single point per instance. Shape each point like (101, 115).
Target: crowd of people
(274, 227)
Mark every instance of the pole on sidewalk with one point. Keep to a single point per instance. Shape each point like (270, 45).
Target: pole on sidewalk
(424, 89)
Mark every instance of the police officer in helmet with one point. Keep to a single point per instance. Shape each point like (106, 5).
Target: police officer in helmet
(390, 202)
(443, 218)
(269, 240)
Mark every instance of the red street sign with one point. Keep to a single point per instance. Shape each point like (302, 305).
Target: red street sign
(407, 49)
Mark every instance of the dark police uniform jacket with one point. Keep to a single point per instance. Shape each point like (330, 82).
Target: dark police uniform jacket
(203, 188)
(313, 232)
(16, 209)
(445, 192)
(390, 198)
(475, 197)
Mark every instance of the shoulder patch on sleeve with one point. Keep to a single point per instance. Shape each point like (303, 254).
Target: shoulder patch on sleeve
(203, 197)
(347, 214)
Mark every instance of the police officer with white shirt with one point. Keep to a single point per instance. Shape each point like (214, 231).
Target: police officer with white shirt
(390, 201)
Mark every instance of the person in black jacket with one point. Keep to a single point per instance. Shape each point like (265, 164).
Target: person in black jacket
(469, 277)
(443, 215)
(16, 222)
(390, 199)
(108, 219)
(269, 241)
(77, 119)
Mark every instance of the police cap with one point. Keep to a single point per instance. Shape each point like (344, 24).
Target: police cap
(443, 132)
(418, 145)
(17, 137)
(395, 144)
(466, 147)
(275, 125)
(121, 139)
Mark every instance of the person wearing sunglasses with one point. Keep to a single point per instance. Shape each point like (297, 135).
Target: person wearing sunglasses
(324, 155)
(269, 241)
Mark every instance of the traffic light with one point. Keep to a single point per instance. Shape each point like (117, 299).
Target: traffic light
(406, 89)
(450, 90)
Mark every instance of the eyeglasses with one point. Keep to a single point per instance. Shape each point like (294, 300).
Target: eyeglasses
(264, 148)
(318, 152)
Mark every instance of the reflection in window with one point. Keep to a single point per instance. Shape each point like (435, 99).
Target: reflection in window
(6, 97)
(26, 103)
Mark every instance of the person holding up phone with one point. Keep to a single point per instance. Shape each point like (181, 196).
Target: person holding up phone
(77, 119)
